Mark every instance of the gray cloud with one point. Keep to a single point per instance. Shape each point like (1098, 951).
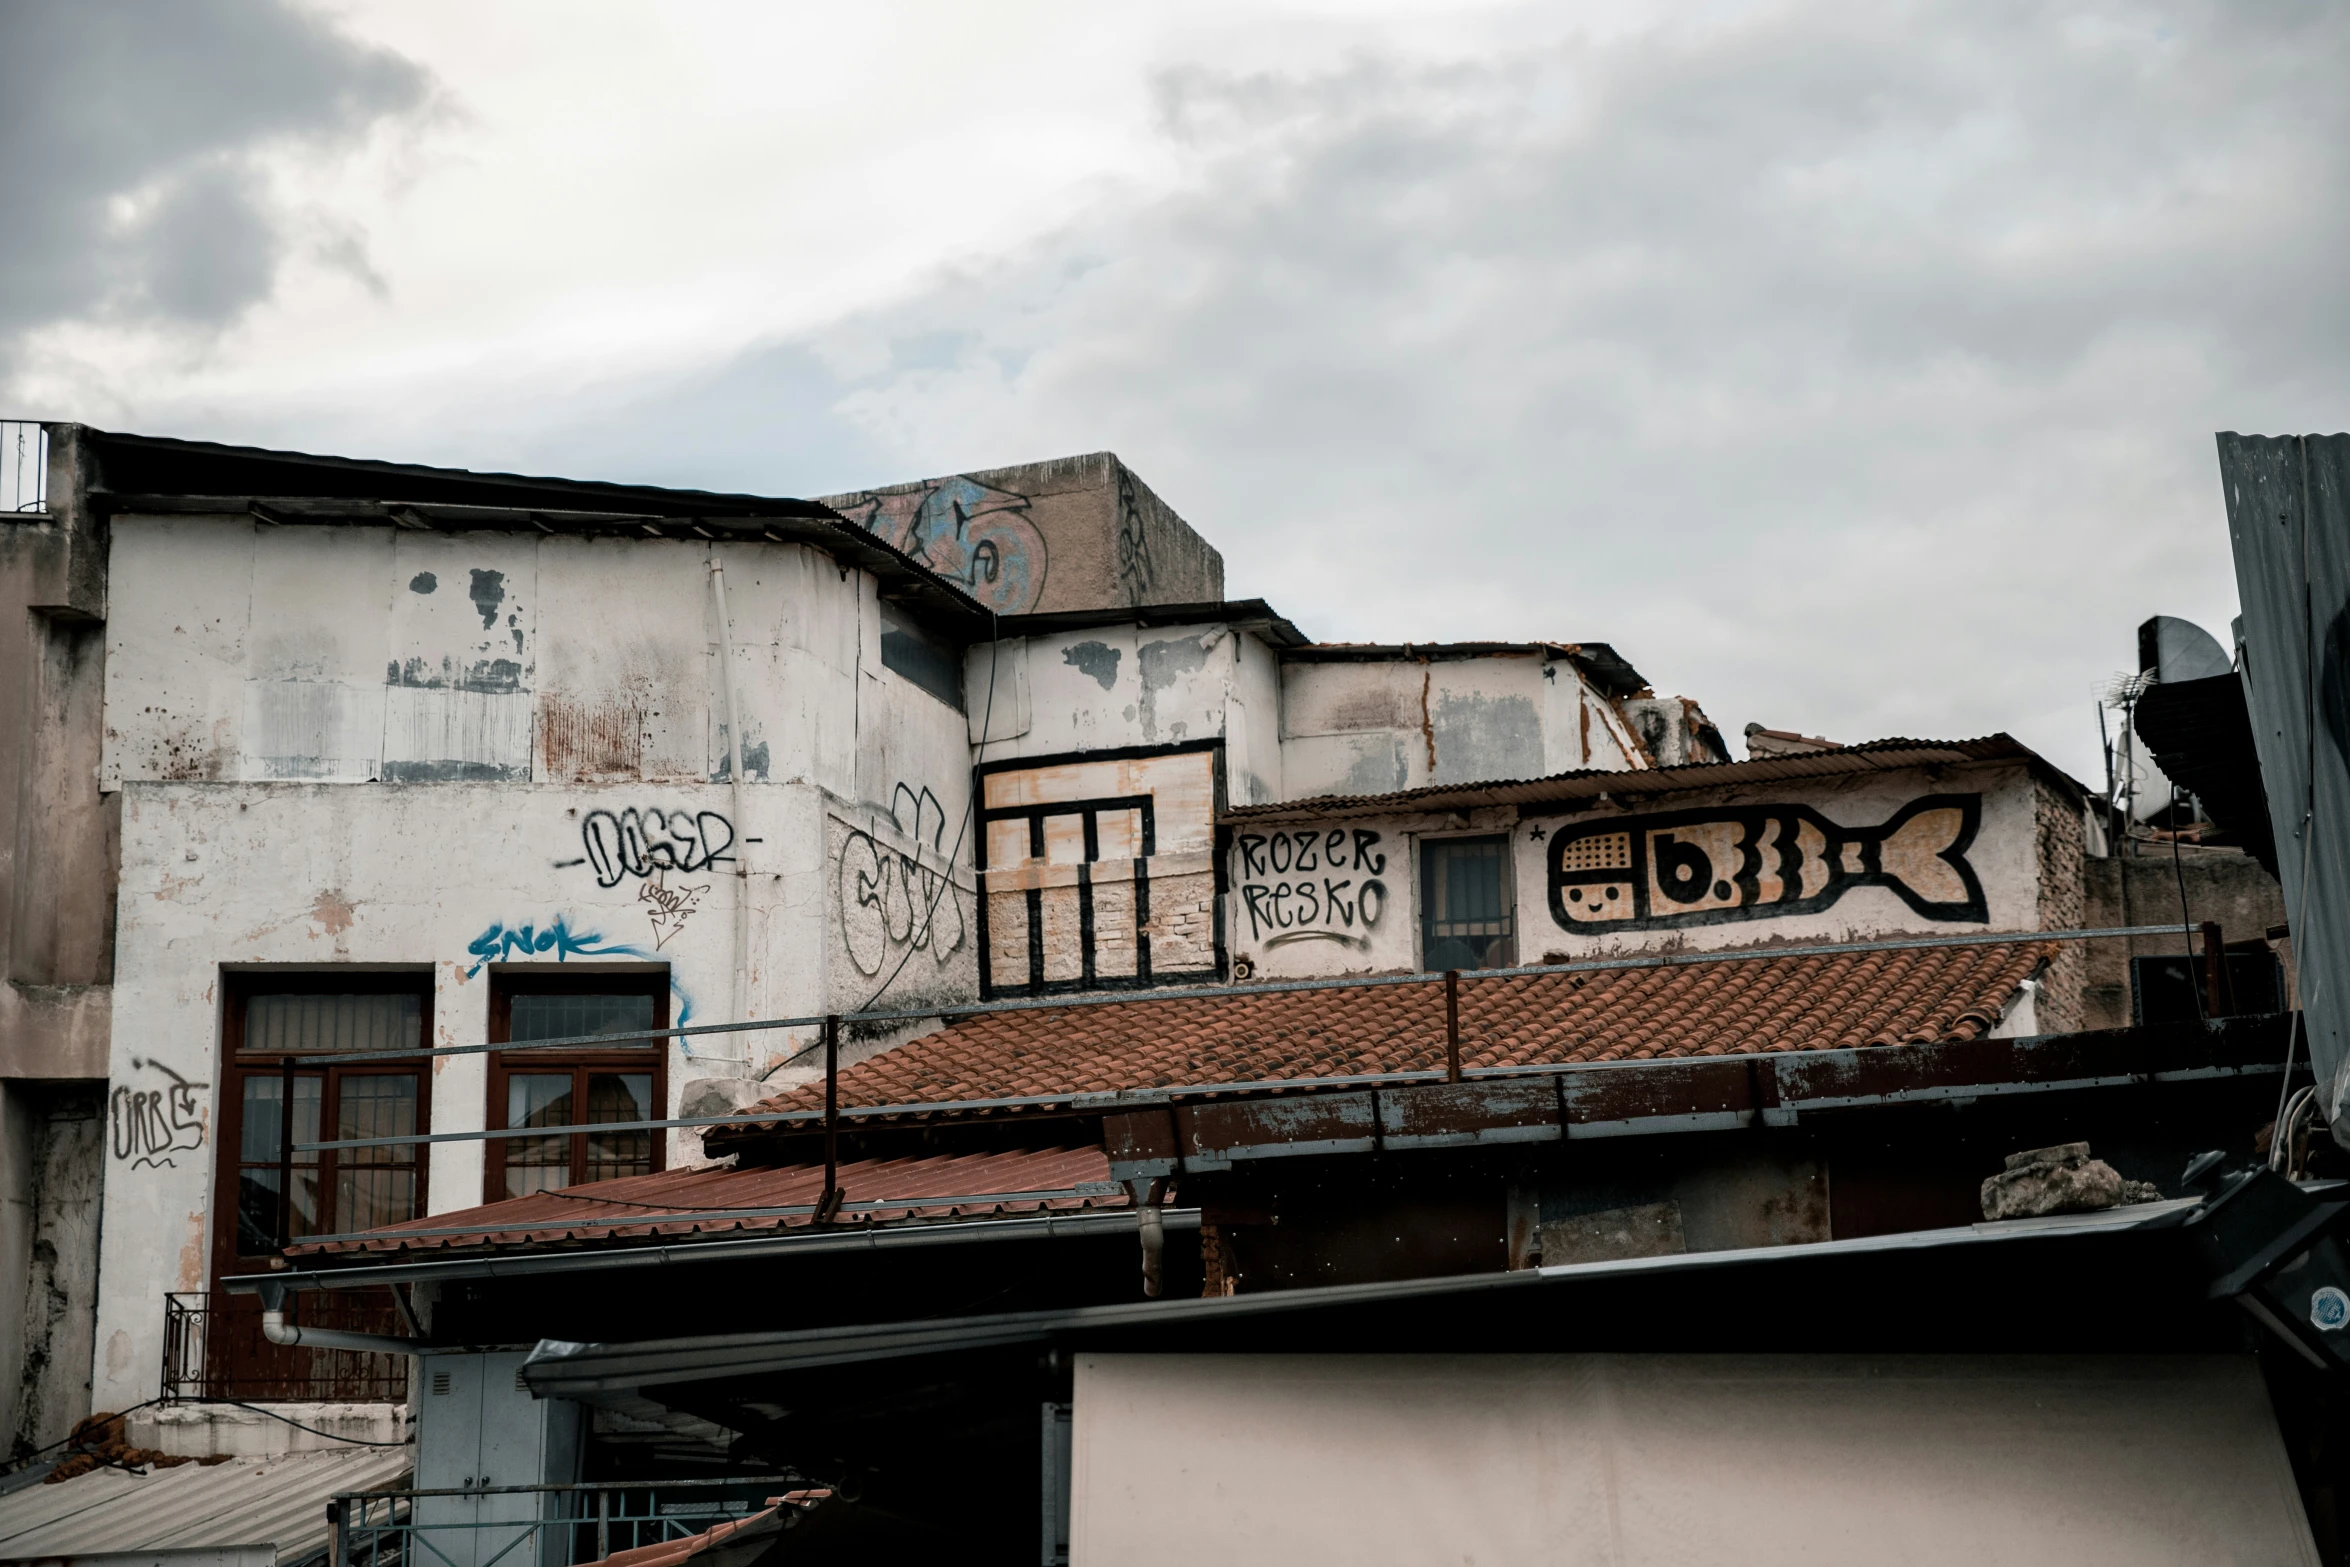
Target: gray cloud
(133, 132)
(1850, 367)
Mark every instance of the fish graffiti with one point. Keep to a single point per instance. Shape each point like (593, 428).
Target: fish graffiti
(1707, 867)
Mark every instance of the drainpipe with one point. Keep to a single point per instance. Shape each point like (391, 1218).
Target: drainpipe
(734, 776)
(276, 1329)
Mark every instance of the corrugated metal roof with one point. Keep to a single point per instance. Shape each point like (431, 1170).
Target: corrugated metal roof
(246, 1502)
(727, 1201)
(2288, 500)
(1876, 756)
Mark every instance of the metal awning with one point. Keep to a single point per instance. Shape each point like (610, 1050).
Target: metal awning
(1402, 1310)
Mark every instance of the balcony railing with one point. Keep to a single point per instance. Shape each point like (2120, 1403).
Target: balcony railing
(543, 1525)
(24, 466)
(213, 1348)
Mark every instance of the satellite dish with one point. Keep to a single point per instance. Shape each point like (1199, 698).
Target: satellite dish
(2171, 650)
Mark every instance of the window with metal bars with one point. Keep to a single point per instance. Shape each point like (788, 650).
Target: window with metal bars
(1466, 914)
(575, 1086)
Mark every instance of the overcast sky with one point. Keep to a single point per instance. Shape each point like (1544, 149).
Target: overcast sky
(1850, 368)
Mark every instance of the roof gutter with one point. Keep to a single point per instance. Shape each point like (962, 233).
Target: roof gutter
(538, 1263)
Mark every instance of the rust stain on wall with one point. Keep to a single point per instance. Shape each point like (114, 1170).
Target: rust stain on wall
(333, 912)
(590, 739)
(191, 1271)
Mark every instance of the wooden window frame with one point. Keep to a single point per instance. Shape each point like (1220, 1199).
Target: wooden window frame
(238, 987)
(650, 1057)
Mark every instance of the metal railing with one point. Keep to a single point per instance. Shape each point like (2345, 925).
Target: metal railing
(538, 1525)
(24, 466)
(213, 1348)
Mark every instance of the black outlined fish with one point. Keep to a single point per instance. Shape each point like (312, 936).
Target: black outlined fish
(1749, 862)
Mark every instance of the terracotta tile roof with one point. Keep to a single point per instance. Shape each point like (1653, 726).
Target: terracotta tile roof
(1834, 1002)
(712, 1202)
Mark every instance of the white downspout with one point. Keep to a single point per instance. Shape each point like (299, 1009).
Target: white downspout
(277, 1330)
(742, 853)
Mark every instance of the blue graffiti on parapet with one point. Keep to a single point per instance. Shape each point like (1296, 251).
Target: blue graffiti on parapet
(502, 942)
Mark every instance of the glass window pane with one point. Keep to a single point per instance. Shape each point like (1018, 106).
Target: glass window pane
(257, 1141)
(567, 1017)
(619, 1096)
(537, 1164)
(298, 1024)
(371, 1195)
(257, 1207)
(256, 1211)
(375, 1186)
(257, 1150)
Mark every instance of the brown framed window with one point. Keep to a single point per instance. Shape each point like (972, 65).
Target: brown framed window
(585, 1087)
(270, 1020)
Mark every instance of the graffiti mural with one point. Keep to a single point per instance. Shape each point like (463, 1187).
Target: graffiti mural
(1707, 867)
(1098, 872)
(152, 1123)
(1312, 886)
(647, 842)
(889, 900)
(502, 943)
(972, 534)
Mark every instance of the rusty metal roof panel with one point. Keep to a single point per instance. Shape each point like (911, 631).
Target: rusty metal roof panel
(708, 1202)
(236, 1509)
(1571, 789)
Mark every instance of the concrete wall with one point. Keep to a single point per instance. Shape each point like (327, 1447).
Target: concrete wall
(1073, 533)
(1299, 888)
(57, 833)
(52, 1165)
(1645, 1460)
(2225, 885)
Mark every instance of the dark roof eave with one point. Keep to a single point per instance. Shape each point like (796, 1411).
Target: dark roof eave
(944, 607)
(1253, 615)
(1568, 790)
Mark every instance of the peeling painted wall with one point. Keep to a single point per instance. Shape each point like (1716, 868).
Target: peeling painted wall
(457, 753)
(1374, 726)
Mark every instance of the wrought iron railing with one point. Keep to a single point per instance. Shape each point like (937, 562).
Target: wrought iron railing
(541, 1525)
(213, 1348)
(24, 466)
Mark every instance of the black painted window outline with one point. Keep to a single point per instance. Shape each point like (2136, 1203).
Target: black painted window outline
(1144, 976)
